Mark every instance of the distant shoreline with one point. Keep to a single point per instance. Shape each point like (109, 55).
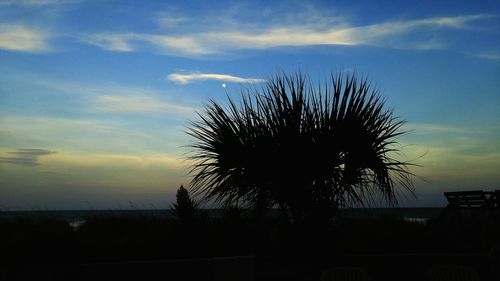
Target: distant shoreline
(75, 215)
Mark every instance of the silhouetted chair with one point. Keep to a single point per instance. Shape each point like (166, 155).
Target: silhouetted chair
(470, 205)
(452, 273)
(345, 274)
(476, 199)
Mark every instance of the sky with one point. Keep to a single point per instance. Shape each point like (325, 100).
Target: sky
(96, 96)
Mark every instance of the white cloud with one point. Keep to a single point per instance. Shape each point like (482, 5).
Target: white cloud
(188, 78)
(216, 41)
(423, 128)
(177, 44)
(492, 55)
(119, 98)
(30, 3)
(169, 21)
(441, 129)
(399, 27)
(139, 104)
(94, 160)
(284, 36)
(110, 42)
(128, 42)
(23, 38)
(375, 34)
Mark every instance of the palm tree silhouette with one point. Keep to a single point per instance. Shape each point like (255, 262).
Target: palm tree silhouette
(308, 149)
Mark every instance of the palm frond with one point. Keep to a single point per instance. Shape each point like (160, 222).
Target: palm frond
(299, 146)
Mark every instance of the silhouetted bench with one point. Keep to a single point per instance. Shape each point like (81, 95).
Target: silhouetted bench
(469, 199)
(472, 203)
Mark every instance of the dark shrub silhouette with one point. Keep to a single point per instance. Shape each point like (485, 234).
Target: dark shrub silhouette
(185, 207)
(306, 148)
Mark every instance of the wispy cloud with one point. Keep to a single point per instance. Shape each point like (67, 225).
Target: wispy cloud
(216, 41)
(188, 78)
(452, 151)
(119, 98)
(69, 159)
(165, 44)
(491, 55)
(57, 171)
(375, 34)
(89, 135)
(177, 44)
(25, 156)
(169, 21)
(441, 129)
(139, 104)
(30, 3)
(422, 128)
(22, 38)
(110, 42)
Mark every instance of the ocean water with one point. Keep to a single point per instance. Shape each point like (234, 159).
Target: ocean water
(77, 217)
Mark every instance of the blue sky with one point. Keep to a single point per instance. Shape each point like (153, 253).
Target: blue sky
(95, 95)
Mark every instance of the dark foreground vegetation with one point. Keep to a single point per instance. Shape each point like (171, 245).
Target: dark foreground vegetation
(144, 248)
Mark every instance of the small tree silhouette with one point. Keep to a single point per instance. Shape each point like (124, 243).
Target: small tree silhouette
(185, 207)
(308, 149)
